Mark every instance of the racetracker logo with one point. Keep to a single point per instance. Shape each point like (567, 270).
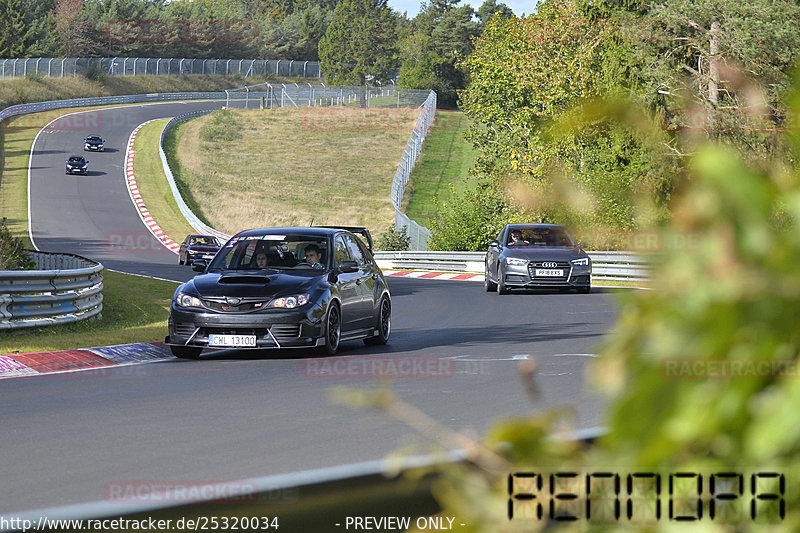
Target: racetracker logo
(131, 492)
(140, 31)
(131, 241)
(732, 368)
(380, 367)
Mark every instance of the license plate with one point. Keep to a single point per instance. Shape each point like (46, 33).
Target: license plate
(549, 273)
(232, 340)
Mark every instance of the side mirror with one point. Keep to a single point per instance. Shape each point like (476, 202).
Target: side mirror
(198, 265)
(494, 244)
(348, 267)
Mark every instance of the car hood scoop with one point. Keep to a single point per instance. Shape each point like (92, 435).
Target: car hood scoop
(245, 279)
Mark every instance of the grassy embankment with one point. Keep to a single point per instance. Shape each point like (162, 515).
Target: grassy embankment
(256, 168)
(444, 161)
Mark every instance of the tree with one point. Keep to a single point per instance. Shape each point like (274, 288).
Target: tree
(12, 28)
(360, 43)
(72, 28)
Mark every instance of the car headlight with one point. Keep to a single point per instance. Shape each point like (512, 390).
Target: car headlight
(187, 300)
(582, 262)
(513, 261)
(290, 302)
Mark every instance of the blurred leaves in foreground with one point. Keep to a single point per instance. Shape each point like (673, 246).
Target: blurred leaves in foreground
(702, 373)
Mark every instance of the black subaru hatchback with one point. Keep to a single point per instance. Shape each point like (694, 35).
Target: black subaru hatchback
(282, 288)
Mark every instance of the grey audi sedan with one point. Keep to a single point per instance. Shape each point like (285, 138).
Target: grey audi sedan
(536, 256)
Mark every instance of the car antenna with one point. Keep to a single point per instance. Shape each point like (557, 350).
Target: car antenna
(312, 222)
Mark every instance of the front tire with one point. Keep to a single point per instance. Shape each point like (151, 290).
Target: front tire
(186, 352)
(333, 329)
(488, 284)
(502, 288)
(384, 325)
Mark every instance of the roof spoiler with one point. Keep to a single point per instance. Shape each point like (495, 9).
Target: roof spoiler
(358, 230)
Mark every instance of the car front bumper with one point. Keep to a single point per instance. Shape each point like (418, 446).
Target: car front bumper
(77, 171)
(523, 276)
(90, 148)
(283, 329)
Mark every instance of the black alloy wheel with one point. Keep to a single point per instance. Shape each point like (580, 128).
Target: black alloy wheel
(333, 329)
(384, 324)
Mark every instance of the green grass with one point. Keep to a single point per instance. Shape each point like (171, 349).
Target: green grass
(445, 160)
(153, 185)
(285, 167)
(135, 309)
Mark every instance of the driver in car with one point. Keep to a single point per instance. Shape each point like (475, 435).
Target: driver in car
(314, 256)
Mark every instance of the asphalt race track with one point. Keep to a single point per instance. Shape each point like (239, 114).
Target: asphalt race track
(67, 438)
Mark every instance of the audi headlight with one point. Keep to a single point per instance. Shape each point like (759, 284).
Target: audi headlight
(290, 302)
(582, 262)
(513, 261)
(187, 300)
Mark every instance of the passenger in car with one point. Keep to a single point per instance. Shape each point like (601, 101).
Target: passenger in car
(517, 240)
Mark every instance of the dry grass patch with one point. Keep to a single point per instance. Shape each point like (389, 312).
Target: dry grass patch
(287, 166)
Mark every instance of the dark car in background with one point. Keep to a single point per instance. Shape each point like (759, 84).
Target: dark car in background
(282, 288)
(536, 256)
(93, 143)
(77, 164)
(198, 247)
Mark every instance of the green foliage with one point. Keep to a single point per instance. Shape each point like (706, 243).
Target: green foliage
(727, 297)
(360, 43)
(439, 37)
(12, 253)
(394, 240)
(468, 220)
(12, 28)
(223, 126)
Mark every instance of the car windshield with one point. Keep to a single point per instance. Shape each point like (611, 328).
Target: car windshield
(76, 160)
(93, 139)
(541, 237)
(275, 251)
(204, 241)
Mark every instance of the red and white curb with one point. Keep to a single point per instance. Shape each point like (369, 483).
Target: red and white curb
(99, 358)
(417, 274)
(136, 198)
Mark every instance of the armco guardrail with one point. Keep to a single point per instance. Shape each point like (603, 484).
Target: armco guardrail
(315, 500)
(611, 266)
(193, 220)
(22, 109)
(65, 288)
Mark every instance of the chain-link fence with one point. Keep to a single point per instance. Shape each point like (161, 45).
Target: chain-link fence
(272, 95)
(419, 234)
(70, 67)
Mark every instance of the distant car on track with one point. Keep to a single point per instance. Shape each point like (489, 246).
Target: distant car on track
(536, 255)
(77, 164)
(93, 143)
(281, 288)
(198, 247)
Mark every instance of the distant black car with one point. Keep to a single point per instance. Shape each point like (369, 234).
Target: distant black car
(281, 288)
(94, 143)
(536, 255)
(77, 164)
(197, 247)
